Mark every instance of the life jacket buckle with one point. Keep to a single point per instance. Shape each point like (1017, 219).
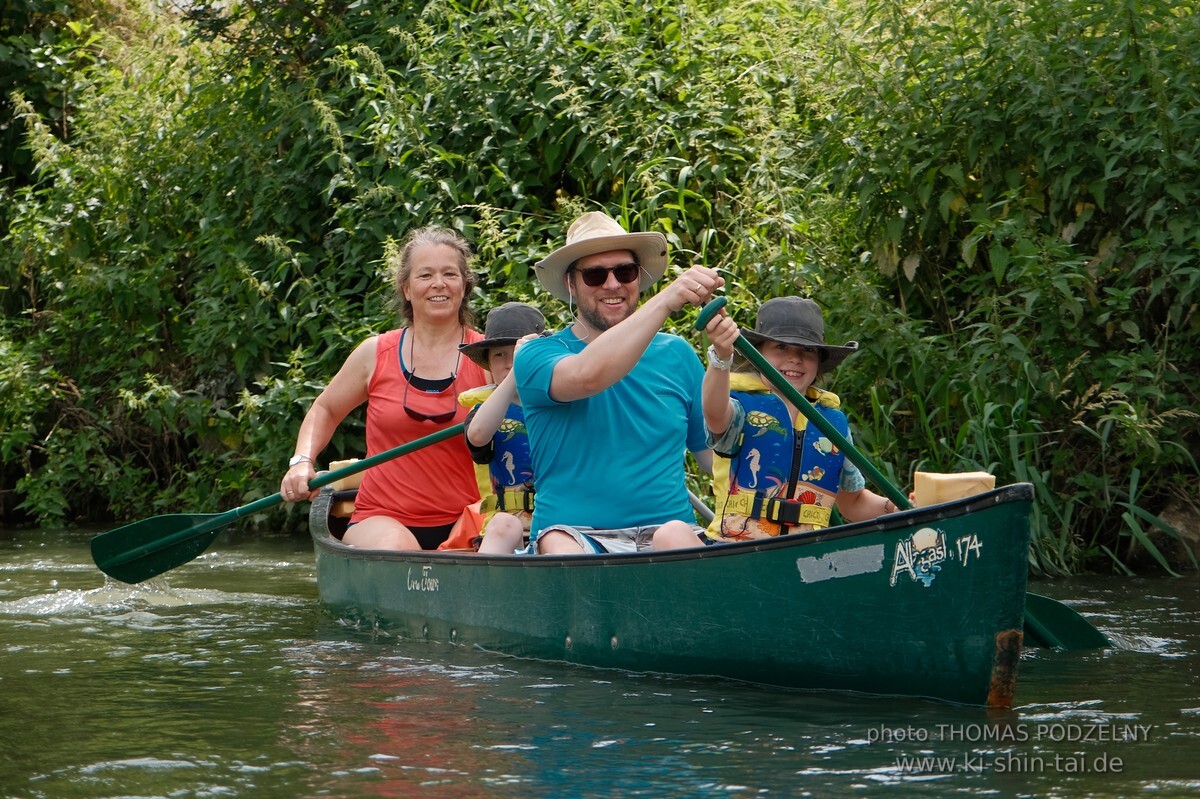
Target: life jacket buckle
(783, 511)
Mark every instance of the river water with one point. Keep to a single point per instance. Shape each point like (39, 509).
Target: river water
(226, 678)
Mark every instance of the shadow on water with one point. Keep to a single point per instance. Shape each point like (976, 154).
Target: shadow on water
(226, 678)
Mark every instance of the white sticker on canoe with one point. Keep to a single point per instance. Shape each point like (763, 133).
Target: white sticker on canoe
(423, 583)
(844, 563)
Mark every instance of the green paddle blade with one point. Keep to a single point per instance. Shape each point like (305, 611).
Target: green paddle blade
(144, 549)
(1053, 625)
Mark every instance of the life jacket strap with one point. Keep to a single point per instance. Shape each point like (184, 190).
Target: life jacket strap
(509, 499)
(792, 512)
(788, 512)
(748, 504)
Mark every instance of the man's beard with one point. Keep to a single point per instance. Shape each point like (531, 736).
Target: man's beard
(597, 322)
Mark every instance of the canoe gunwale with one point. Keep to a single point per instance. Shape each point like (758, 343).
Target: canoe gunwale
(1016, 492)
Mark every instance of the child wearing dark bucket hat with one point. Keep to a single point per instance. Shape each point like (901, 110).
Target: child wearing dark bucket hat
(774, 473)
(495, 432)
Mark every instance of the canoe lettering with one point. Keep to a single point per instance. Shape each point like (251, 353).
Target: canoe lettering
(920, 556)
(424, 582)
(967, 545)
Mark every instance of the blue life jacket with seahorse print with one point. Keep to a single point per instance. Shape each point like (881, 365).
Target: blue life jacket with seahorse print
(783, 479)
(510, 471)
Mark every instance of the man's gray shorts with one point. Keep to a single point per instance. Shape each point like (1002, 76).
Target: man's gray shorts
(621, 539)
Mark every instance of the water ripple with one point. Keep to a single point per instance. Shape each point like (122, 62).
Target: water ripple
(116, 596)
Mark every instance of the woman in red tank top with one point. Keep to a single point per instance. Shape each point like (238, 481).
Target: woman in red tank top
(410, 379)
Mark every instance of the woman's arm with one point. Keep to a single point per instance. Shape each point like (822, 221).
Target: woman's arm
(345, 392)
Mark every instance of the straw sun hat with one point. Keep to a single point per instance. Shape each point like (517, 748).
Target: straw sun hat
(597, 232)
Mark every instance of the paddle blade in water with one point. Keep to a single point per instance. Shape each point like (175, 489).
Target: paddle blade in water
(1053, 625)
(145, 549)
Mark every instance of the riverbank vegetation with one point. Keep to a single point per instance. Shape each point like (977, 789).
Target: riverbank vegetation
(999, 200)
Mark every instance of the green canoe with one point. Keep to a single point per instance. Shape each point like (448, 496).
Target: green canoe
(926, 603)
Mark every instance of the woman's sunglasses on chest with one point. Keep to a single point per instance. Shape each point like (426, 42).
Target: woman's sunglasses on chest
(436, 418)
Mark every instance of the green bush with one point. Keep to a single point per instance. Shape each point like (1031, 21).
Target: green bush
(47, 51)
(994, 198)
(1028, 184)
(224, 219)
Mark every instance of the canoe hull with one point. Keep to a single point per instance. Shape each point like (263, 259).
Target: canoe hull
(925, 603)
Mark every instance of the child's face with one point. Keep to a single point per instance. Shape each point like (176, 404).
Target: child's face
(500, 361)
(797, 364)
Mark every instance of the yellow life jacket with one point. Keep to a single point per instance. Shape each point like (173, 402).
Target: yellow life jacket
(506, 484)
(784, 477)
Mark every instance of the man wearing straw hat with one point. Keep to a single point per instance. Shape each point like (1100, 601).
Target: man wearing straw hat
(611, 403)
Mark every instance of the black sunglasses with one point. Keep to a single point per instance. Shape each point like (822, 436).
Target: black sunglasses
(436, 418)
(598, 276)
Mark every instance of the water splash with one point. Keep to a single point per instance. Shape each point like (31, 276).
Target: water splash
(117, 597)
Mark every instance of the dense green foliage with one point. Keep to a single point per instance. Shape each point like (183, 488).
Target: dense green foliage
(47, 49)
(996, 200)
(1031, 170)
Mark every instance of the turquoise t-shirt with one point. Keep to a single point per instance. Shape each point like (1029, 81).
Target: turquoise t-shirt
(615, 459)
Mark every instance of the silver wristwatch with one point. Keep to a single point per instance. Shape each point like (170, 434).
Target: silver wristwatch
(299, 459)
(716, 362)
